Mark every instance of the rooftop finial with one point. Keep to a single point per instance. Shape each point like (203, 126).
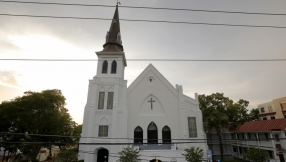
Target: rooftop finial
(118, 2)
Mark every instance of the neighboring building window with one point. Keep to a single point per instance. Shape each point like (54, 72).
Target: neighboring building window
(284, 115)
(138, 135)
(234, 148)
(270, 154)
(192, 127)
(242, 136)
(266, 136)
(264, 118)
(283, 105)
(113, 67)
(104, 67)
(262, 109)
(277, 137)
(240, 150)
(272, 117)
(103, 131)
(237, 136)
(110, 100)
(232, 136)
(101, 100)
(249, 136)
(270, 108)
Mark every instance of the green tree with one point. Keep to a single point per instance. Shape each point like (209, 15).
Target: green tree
(36, 113)
(194, 155)
(129, 155)
(254, 114)
(67, 155)
(221, 112)
(255, 155)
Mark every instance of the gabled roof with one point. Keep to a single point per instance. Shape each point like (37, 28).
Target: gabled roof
(262, 126)
(144, 73)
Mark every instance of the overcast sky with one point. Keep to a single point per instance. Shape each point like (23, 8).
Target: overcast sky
(45, 38)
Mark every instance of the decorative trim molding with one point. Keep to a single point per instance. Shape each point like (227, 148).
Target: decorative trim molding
(103, 112)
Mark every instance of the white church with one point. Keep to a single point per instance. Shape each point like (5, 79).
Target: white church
(150, 115)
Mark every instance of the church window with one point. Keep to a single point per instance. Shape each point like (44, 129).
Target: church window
(113, 67)
(101, 100)
(152, 133)
(104, 67)
(166, 135)
(192, 126)
(110, 100)
(103, 131)
(138, 135)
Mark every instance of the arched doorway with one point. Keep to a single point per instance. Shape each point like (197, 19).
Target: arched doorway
(152, 133)
(102, 155)
(138, 135)
(166, 135)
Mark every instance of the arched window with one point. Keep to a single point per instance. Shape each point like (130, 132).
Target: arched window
(152, 133)
(104, 67)
(166, 135)
(113, 67)
(138, 135)
(102, 155)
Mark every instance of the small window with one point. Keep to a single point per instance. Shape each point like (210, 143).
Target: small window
(270, 108)
(113, 67)
(249, 136)
(266, 136)
(192, 127)
(270, 154)
(262, 109)
(264, 118)
(272, 117)
(283, 105)
(234, 148)
(284, 115)
(101, 100)
(103, 131)
(104, 67)
(110, 100)
(277, 137)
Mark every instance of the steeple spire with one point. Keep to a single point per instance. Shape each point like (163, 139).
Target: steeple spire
(113, 37)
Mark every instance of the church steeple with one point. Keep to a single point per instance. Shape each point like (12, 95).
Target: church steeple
(113, 37)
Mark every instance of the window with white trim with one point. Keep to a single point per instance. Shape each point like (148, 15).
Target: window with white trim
(110, 100)
(103, 131)
(192, 127)
(101, 100)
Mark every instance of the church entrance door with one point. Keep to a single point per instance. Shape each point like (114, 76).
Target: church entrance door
(152, 133)
(102, 155)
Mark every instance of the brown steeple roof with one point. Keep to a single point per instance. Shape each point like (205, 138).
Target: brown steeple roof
(113, 37)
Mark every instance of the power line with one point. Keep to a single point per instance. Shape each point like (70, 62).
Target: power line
(152, 8)
(151, 21)
(162, 60)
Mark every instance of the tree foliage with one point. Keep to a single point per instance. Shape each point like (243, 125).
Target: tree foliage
(194, 154)
(255, 155)
(35, 113)
(67, 155)
(221, 112)
(129, 154)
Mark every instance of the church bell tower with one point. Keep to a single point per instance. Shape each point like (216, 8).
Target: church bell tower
(105, 115)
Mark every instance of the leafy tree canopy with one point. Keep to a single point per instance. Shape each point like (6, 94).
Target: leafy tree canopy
(129, 154)
(35, 113)
(256, 155)
(194, 154)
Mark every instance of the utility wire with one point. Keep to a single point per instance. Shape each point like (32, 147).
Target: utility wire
(151, 21)
(189, 139)
(152, 8)
(165, 60)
